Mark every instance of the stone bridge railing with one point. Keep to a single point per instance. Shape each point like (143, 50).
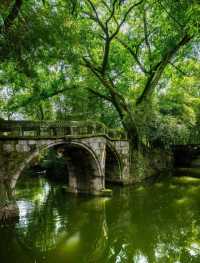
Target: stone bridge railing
(54, 129)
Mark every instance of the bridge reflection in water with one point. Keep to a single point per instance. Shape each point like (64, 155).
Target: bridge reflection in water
(150, 223)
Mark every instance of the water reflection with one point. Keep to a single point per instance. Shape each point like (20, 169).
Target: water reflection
(143, 224)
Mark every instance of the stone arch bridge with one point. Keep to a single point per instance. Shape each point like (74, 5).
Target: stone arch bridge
(94, 155)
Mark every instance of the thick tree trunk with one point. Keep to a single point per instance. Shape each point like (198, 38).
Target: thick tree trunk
(131, 131)
(128, 121)
(136, 157)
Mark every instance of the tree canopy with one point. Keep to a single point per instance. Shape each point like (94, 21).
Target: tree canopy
(132, 64)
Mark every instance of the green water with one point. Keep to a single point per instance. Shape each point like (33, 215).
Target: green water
(147, 223)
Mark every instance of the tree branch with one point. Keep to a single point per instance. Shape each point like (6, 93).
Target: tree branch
(146, 34)
(109, 38)
(106, 54)
(158, 69)
(96, 18)
(134, 55)
(11, 16)
(124, 18)
(179, 70)
(112, 12)
(91, 66)
(105, 30)
(97, 93)
(107, 83)
(169, 14)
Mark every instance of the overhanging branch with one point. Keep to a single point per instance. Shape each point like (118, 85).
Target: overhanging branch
(134, 55)
(97, 93)
(159, 68)
(146, 35)
(96, 17)
(125, 17)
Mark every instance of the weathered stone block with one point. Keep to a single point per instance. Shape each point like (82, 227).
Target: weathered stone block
(20, 148)
(97, 183)
(123, 144)
(8, 148)
(125, 150)
(31, 142)
(95, 145)
(116, 144)
(23, 142)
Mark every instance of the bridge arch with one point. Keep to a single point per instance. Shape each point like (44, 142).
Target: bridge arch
(84, 168)
(113, 165)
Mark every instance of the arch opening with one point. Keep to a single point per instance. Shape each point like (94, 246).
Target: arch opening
(74, 162)
(113, 172)
(83, 169)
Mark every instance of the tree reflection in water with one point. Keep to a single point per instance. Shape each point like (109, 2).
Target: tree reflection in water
(142, 224)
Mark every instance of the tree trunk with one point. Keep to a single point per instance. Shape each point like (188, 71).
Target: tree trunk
(127, 118)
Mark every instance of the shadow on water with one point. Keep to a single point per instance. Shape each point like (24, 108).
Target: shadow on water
(147, 223)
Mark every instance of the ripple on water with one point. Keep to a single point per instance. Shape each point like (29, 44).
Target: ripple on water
(159, 222)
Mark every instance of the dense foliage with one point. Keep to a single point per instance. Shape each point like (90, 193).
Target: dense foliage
(131, 64)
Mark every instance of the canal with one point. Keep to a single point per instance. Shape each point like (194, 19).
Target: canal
(146, 223)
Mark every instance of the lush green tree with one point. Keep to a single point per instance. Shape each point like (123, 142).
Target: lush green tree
(128, 58)
(129, 49)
